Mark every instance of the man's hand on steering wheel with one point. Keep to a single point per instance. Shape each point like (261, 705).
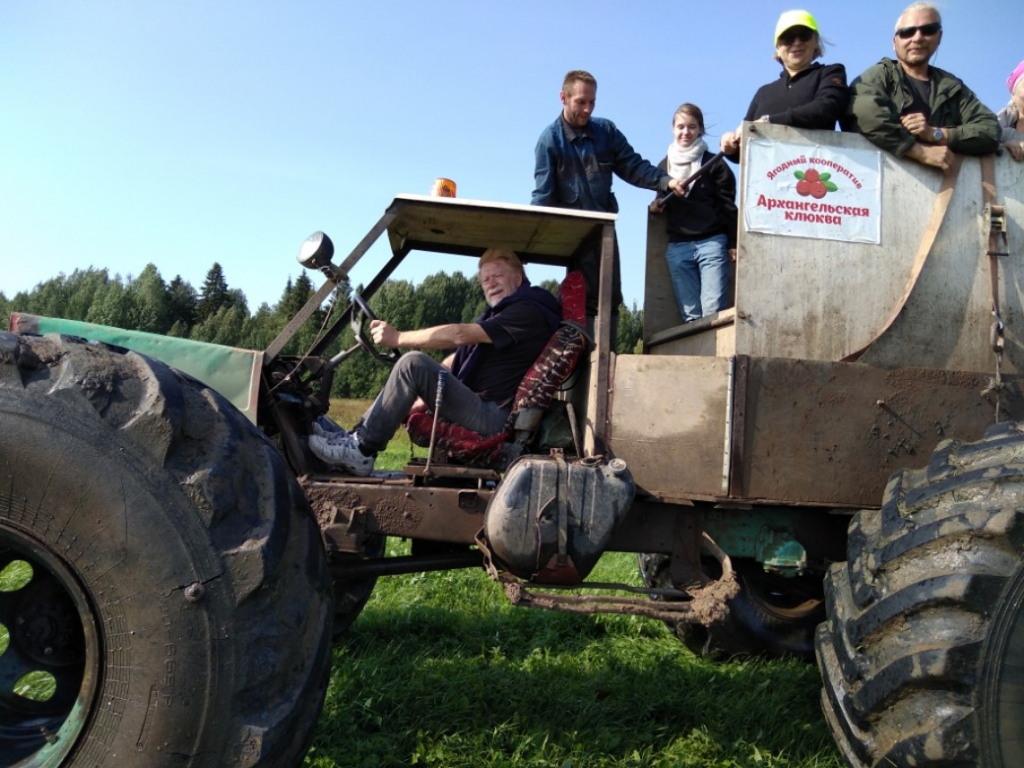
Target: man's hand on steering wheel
(384, 334)
(361, 312)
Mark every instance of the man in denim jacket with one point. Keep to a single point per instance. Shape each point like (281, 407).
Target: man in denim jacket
(575, 158)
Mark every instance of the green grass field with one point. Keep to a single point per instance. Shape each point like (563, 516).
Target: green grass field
(440, 670)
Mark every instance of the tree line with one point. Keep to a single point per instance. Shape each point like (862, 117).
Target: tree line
(220, 314)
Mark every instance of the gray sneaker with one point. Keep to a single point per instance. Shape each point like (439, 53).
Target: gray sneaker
(324, 427)
(342, 453)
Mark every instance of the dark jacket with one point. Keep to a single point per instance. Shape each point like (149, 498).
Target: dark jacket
(519, 327)
(815, 98)
(574, 168)
(709, 209)
(881, 95)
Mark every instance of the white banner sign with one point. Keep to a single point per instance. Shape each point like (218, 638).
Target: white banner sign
(804, 190)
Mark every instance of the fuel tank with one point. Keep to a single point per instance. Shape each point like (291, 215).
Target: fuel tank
(551, 518)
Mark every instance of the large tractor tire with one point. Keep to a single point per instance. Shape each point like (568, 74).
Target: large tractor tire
(923, 649)
(770, 617)
(164, 598)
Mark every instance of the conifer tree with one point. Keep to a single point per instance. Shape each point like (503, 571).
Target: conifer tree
(182, 301)
(213, 295)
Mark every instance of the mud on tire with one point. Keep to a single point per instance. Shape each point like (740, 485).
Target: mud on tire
(921, 654)
(164, 572)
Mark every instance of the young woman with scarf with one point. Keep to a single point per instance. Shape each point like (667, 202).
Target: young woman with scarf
(701, 224)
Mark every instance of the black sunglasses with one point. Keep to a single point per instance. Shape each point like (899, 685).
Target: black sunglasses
(928, 30)
(803, 34)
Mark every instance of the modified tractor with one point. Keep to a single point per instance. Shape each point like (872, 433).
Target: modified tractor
(831, 469)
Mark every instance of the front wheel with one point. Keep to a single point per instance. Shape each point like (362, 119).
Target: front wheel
(921, 654)
(351, 595)
(164, 597)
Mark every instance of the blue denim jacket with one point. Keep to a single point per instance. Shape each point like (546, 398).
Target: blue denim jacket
(574, 168)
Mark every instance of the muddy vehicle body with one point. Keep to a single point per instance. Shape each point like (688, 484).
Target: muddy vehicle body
(743, 457)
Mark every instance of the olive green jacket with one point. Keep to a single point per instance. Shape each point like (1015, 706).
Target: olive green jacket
(880, 95)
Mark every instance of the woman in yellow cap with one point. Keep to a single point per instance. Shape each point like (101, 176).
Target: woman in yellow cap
(807, 94)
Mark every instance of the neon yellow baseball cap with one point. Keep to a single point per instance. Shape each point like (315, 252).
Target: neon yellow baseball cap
(794, 19)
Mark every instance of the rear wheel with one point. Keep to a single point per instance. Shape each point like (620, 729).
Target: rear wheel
(164, 598)
(772, 616)
(921, 654)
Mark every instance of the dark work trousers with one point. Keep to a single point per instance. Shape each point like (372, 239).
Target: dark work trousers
(415, 376)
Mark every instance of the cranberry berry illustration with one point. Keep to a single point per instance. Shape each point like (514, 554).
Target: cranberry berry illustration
(815, 184)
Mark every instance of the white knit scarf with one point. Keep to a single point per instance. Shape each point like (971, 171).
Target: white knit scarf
(683, 162)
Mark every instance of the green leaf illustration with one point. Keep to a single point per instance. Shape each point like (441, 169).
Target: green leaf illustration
(831, 187)
(825, 176)
(799, 175)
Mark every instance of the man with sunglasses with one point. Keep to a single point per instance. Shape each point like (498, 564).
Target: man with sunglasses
(915, 110)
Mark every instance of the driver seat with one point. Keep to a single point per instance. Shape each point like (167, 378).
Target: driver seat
(533, 397)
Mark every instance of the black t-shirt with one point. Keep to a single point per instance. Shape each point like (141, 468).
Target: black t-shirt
(518, 334)
(921, 92)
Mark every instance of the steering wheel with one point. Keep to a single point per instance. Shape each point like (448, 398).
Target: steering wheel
(361, 315)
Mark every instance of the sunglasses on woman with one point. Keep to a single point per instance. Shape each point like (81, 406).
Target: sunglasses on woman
(928, 30)
(790, 36)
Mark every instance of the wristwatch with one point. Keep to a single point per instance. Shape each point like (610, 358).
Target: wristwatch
(937, 135)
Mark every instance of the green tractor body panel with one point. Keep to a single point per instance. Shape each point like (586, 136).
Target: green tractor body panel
(231, 371)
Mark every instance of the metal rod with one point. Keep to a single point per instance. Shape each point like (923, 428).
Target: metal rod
(575, 428)
(442, 376)
(341, 357)
(730, 396)
(610, 586)
(690, 179)
(394, 566)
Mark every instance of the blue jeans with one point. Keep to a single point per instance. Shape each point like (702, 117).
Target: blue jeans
(700, 273)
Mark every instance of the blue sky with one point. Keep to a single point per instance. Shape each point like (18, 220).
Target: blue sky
(184, 133)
